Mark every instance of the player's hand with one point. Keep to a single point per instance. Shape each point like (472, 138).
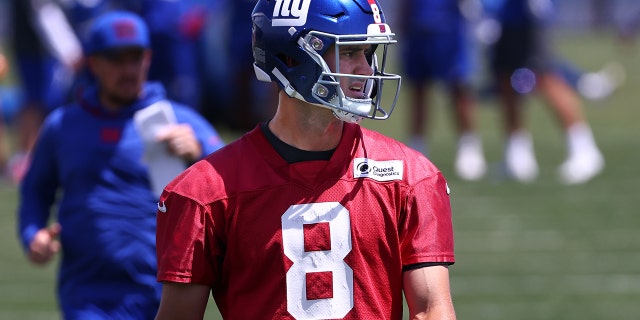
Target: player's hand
(181, 141)
(45, 244)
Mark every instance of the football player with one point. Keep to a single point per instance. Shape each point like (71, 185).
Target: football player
(310, 215)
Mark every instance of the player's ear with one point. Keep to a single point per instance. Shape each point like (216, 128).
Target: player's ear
(91, 63)
(148, 55)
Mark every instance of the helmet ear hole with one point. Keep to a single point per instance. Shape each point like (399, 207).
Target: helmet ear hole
(288, 61)
(291, 62)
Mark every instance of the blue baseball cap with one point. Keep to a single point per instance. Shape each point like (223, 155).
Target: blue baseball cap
(116, 30)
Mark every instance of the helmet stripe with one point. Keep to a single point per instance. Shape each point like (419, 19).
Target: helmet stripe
(376, 11)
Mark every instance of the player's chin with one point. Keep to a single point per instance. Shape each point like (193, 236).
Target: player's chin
(128, 91)
(125, 97)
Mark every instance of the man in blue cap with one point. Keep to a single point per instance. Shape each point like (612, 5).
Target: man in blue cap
(97, 153)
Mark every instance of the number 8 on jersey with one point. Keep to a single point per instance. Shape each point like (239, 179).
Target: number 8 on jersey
(307, 263)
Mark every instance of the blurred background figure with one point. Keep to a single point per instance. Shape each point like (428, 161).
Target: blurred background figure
(595, 85)
(202, 58)
(523, 63)
(592, 85)
(9, 94)
(49, 65)
(176, 28)
(436, 48)
(628, 27)
(89, 191)
(47, 54)
(4, 75)
(4, 147)
(233, 95)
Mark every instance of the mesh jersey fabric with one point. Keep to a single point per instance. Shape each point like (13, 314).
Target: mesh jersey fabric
(326, 242)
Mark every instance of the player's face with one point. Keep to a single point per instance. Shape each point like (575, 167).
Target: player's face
(352, 60)
(121, 74)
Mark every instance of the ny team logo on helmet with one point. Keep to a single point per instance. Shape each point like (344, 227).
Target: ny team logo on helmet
(291, 36)
(291, 14)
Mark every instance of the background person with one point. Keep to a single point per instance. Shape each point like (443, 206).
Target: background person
(91, 153)
(522, 63)
(436, 48)
(47, 54)
(341, 220)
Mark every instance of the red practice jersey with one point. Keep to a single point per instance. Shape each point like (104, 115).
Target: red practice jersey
(309, 240)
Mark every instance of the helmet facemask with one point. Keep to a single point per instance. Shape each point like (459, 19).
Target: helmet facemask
(327, 91)
(290, 40)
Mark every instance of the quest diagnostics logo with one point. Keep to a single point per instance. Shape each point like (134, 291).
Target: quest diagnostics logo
(378, 170)
(290, 13)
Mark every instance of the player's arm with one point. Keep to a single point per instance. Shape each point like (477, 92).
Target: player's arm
(37, 195)
(183, 301)
(428, 293)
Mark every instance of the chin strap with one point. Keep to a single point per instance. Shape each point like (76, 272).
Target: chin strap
(288, 88)
(356, 107)
(346, 116)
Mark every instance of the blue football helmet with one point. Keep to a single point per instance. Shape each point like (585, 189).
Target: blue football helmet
(291, 36)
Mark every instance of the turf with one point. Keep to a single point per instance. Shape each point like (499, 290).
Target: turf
(538, 251)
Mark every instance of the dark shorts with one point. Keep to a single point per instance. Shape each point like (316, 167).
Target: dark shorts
(521, 47)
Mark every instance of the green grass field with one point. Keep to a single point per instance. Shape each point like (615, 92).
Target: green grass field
(538, 251)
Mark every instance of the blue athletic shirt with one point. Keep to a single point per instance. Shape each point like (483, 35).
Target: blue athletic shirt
(88, 163)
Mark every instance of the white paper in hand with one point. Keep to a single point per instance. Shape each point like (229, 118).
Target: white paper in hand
(163, 166)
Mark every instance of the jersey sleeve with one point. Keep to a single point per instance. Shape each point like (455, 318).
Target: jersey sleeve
(184, 230)
(428, 229)
(40, 183)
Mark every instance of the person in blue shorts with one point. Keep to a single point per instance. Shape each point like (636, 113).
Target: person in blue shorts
(435, 49)
(88, 192)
